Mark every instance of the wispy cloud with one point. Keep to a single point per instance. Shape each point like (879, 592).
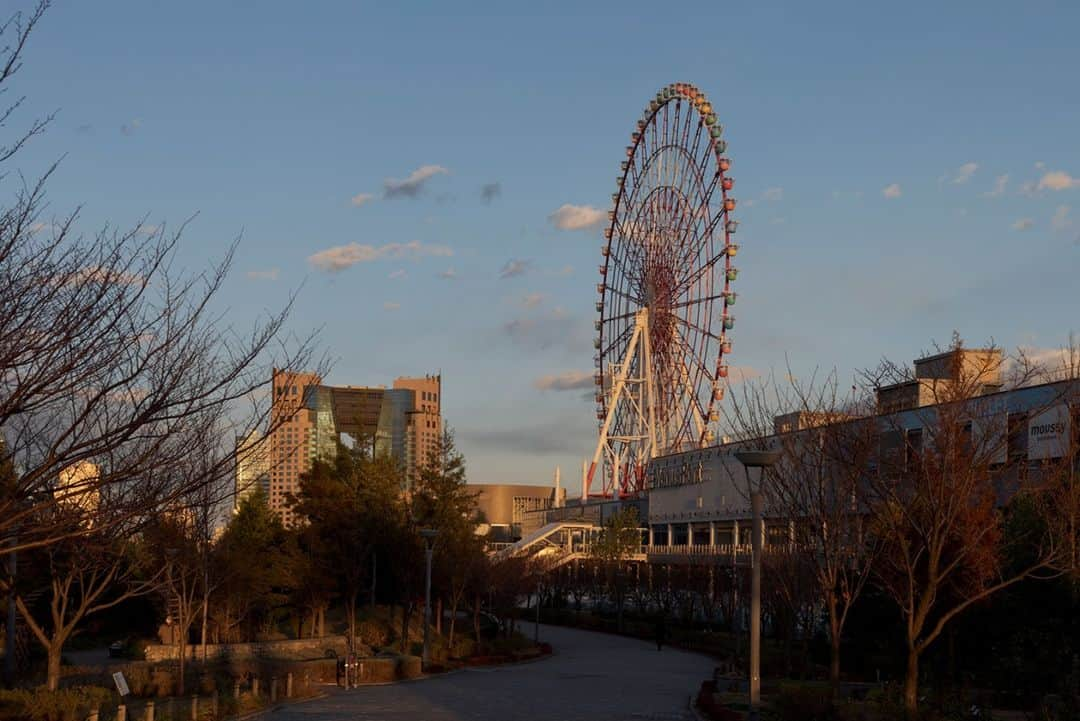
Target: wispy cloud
(413, 185)
(999, 186)
(964, 172)
(577, 217)
(741, 374)
(891, 191)
(341, 257)
(448, 274)
(1058, 180)
(566, 270)
(397, 274)
(391, 305)
(147, 229)
(360, 199)
(1023, 224)
(129, 129)
(1061, 220)
(568, 381)
(271, 274)
(515, 267)
(773, 194)
(532, 300)
(490, 191)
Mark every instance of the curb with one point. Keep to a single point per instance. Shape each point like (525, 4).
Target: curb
(278, 706)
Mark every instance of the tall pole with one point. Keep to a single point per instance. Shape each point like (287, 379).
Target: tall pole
(761, 461)
(427, 609)
(755, 603)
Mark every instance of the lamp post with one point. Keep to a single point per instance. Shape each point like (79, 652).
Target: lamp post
(428, 535)
(762, 461)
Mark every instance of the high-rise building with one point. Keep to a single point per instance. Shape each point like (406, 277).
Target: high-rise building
(252, 466)
(309, 419)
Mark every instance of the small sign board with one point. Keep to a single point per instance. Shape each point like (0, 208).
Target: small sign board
(121, 683)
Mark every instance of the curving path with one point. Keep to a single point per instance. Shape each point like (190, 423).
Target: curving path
(591, 677)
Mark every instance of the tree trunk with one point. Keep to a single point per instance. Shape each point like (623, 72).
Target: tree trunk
(453, 623)
(406, 613)
(438, 615)
(205, 611)
(834, 645)
(911, 685)
(54, 652)
(476, 620)
(322, 621)
(351, 614)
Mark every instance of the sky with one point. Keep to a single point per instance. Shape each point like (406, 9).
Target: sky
(903, 171)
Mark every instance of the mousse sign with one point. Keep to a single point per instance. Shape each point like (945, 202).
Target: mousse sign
(1048, 433)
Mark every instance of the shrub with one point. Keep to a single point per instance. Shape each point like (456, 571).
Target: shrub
(409, 667)
(804, 703)
(40, 704)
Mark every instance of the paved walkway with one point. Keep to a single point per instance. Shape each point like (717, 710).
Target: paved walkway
(591, 677)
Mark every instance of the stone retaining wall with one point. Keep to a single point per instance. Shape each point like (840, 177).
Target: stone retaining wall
(304, 648)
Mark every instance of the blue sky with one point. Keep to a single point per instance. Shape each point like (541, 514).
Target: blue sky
(913, 170)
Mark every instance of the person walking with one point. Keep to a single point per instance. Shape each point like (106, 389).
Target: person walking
(661, 632)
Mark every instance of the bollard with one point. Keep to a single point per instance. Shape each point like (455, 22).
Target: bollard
(149, 711)
(93, 715)
(288, 685)
(236, 689)
(255, 687)
(273, 689)
(194, 707)
(121, 713)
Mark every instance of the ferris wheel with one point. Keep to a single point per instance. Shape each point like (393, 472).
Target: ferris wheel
(665, 293)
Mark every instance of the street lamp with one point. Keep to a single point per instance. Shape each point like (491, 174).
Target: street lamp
(762, 461)
(428, 534)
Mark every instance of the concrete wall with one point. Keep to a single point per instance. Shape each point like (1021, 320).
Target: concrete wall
(294, 649)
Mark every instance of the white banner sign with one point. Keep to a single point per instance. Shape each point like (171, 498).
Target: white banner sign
(1048, 433)
(121, 683)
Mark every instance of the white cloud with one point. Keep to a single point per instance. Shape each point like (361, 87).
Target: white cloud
(568, 381)
(1061, 220)
(104, 275)
(515, 267)
(343, 256)
(891, 191)
(577, 217)
(1058, 180)
(360, 198)
(532, 300)
(741, 374)
(448, 274)
(399, 273)
(413, 185)
(964, 173)
(1040, 165)
(999, 186)
(773, 194)
(1027, 188)
(147, 229)
(1023, 224)
(390, 305)
(130, 128)
(271, 274)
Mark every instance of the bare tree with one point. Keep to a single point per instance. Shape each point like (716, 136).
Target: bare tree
(826, 443)
(75, 578)
(111, 355)
(960, 515)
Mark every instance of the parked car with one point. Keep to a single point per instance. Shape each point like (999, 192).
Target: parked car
(118, 649)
